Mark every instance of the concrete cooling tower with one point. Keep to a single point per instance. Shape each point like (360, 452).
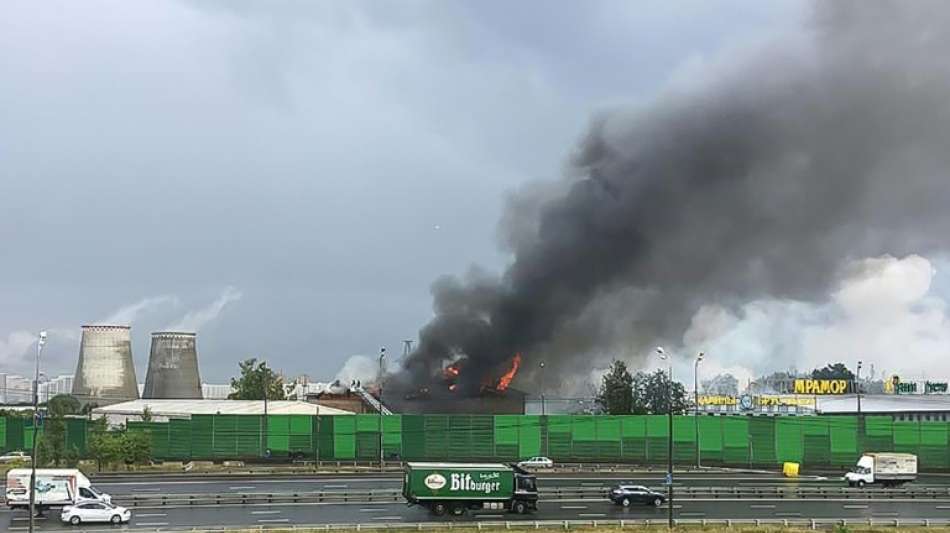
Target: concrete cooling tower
(172, 367)
(106, 373)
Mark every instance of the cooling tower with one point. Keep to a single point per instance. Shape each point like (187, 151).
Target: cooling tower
(105, 373)
(172, 367)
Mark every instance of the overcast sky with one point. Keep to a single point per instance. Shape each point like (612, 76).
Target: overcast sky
(290, 177)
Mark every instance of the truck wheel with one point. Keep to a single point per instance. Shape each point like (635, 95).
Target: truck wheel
(458, 509)
(625, 502)
(519, 508)
(438, 509)
(75, 520)
(861, 484)
(657, 502)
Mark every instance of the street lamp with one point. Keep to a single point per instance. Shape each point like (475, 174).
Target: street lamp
(382, 354)
(541, 364)
(40, 342)
(669, 449)
(696, 404)
(857, 387)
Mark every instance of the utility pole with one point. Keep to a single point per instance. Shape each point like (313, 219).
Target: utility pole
(669, 449)
(382, 354)
(857, 387)
(36, 422)
(541, 364)
(696, 404)
(264, 378)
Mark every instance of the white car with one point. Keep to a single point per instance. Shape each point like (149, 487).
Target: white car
(537, 462)
(95, 512)
(14, 457)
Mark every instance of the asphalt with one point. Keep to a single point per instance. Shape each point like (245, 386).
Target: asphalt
(356, 483)
(297, 514)
(150, 518)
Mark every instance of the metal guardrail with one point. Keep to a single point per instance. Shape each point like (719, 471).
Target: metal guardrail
(815, 524)
(552, 494)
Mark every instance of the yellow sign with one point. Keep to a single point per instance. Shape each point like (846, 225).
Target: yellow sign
(718, 400)
(821, 386)
(797, 401)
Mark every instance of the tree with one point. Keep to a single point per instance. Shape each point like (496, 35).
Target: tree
(51, 447)
(146, 414)
(654, 392)
(136, 447)
(722, 385)
(254, 377)
(62, 405)
(616, 390)
(834, 371)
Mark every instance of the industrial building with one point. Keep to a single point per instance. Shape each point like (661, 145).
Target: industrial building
(164, 410)
(172, 367)
(105, 373)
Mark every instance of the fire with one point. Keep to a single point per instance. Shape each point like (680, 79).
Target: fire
(452, 387)
(451, 372)
(510, 374)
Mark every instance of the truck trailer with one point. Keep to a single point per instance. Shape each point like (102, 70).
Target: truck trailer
(888, 469)
(55, 487)
(459, 487)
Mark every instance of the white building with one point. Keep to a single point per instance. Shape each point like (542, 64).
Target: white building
(163, 410)
(211, 391)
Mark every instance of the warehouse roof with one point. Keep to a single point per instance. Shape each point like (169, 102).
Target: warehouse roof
(884, 403)
(184, 408)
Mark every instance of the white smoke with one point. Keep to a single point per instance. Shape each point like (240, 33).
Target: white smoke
(13, 349)
(358, 368)
(883, 313)
(194, 320)
(127, 314)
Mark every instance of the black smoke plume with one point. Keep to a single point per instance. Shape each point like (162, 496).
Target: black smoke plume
(761, 180)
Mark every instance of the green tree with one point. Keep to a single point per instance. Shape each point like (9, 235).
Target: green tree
(833, 371)
(255, 378)
(62, 405)
(136, 447)
(616, 390)
(653, 394)
(104, 446)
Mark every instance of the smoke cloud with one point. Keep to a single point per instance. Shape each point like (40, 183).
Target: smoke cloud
(126, 315)
(762, 182)
(194, 320)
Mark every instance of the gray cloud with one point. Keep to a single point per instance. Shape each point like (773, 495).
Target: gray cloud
(301, 151)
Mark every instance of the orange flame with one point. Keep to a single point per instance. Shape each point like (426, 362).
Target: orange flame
(452, 387)
(510, 374)
(451, 372)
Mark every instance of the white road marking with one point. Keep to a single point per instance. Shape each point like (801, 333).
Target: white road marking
(478, 517)
(149, 515)
(753, 506)
(943, 507)
(335, 486)
(573, 507)
(27, 518)
(146, 490)
(151, 523)
(854, 506)
(591, 484)
(387, 518)
(693, 514)
(372, 510)
(788, 514)
(265, 512)
(241, 488)
(591, 515)
(876, 514)
(273, 520)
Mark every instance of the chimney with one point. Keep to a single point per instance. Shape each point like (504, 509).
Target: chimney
(106, 373)
(172, 367)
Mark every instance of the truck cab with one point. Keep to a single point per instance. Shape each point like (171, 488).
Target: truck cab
(862, 473)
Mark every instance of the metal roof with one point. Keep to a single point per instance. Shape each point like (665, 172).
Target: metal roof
(884, 403)
(215, 407)
(461, 466)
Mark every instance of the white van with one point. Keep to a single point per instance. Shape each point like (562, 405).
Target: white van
(55, 487)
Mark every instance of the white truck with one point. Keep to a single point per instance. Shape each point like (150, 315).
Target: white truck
(888, 469)
(55, 487)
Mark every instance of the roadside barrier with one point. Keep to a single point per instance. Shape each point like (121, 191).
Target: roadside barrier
(814, 524)
(552, 494)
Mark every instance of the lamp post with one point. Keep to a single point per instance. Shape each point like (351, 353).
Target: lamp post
(669, 449)
(696, 404)
(264, 379)
(541, 364)
(382, 354)
(36, 422)
(857, 387)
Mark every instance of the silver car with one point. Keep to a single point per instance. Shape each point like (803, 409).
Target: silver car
(95, 512)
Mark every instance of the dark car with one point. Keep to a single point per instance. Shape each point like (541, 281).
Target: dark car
(626, 495)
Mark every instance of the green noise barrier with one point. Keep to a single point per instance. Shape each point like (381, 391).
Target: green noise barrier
(740, 441)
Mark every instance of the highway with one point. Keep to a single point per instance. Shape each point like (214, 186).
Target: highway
(179, 515)
(303, 514)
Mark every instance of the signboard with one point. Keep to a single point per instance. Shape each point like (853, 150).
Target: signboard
(821, 386)
(718, 400)
(786, 401)
(894, 385)
(747, 402)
